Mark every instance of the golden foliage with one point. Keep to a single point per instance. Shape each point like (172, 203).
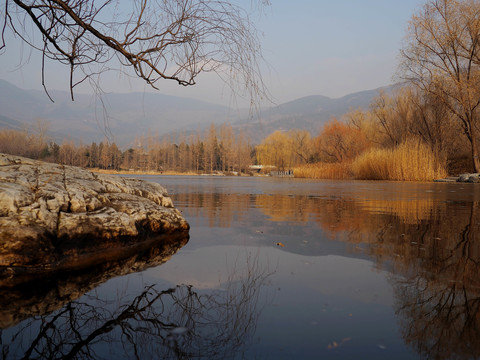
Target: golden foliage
(274, 150)
(285, 149)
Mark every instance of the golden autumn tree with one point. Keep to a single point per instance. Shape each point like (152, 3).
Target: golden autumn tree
(302, 146)
(275, 150)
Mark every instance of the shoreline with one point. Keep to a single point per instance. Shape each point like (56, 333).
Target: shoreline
(137, 172)
(462, 178)
(162, 173)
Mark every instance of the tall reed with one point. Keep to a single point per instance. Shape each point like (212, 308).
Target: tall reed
(333, 171)
(410, 161)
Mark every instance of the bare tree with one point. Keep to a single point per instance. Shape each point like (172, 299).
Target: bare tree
(442, 57)
(157, 39)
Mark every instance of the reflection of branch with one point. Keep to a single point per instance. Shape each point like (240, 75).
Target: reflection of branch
(43, 333)
(440, 323)
(178, 322)
(439, 301)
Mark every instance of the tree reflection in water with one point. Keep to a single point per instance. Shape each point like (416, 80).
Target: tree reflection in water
(178, 322)
(430, 244)
(433, 253)
(439, 300)
(432, 249)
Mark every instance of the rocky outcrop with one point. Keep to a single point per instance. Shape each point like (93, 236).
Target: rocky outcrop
(469, 178)
(55, 217)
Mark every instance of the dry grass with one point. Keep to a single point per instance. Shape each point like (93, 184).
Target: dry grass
(138, 172)
(410, 161)
(171, 172)
(333, 171)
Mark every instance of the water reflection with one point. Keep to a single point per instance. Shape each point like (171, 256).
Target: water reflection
(438, 299)
(429, 242)
(422, 239)
(51, 293)
(434, 252)
(178, 322)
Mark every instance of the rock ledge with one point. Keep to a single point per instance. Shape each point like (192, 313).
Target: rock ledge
(54, 216)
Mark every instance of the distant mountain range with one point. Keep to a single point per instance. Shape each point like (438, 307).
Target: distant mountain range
(135, 114)
(307, 113)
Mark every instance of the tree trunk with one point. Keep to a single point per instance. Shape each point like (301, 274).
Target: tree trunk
(475, 158)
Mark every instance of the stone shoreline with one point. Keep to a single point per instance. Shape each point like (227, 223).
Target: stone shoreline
(463, 178)
(54, 216)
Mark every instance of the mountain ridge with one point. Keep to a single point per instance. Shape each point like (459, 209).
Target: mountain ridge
(125, 116)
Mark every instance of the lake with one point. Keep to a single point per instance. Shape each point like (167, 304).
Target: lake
(275, 268)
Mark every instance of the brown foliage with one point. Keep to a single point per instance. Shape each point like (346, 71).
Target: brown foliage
(339, 142)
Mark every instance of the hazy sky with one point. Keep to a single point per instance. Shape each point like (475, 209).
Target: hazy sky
(312, 47)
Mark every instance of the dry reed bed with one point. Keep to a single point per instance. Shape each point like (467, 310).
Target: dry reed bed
(410, 161)
(333, 171)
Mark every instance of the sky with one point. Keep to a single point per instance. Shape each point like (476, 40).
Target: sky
(310, 47)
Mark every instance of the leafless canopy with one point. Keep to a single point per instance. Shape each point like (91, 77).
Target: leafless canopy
(158, 39)
(441, 57)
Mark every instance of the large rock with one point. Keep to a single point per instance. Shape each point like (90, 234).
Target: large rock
(55, 217)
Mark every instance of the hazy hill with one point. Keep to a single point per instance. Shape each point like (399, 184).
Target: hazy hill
(308, 113)
(128, 115)
(6, 122)
(136, 114)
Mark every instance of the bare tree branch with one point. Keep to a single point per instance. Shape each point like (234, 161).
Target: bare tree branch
(158, 39)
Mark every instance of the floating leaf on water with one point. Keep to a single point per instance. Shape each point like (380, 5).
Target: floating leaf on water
(334, 344)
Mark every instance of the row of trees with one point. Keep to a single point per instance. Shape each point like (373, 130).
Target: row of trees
(218, 149)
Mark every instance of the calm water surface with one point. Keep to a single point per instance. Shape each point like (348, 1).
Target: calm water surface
(277, 269)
